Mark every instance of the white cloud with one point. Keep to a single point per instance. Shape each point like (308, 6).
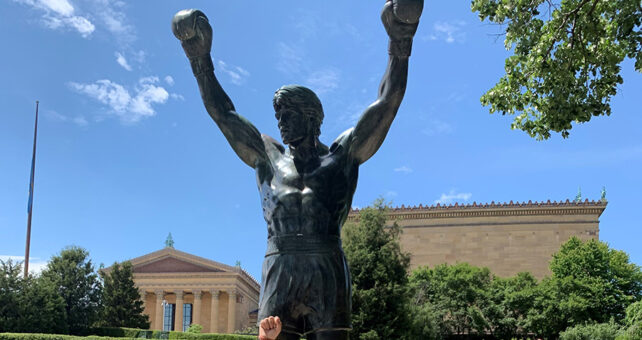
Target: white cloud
(323, 81)
(35, 264)
(78, 120)
(169, 80)
(120, 59)
(453, 196)
(176, 96)
(290, 58)
(404, 169)
(237, 74)
(59, 14)
(114, 19)
(391, 194)
(437, 127)
(130, 107)
(449, 32)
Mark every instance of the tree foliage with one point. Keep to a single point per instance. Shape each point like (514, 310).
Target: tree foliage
(511, 299)
(566, 60)
(10, 285)
(74, 276)
(458, 295)
(379, 276)
(595, 283)
(122, 305)
(29, 304)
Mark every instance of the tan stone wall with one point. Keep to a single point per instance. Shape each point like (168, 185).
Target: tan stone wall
(507, 238)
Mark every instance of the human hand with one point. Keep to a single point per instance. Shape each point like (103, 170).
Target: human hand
(401, 18)
(270, 328)
(193, 29)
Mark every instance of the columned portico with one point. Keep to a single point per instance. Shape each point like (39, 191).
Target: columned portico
(196, 316)
(194, 290)
(214, 311)
(178, 321)
(157, 322)
(231, 310)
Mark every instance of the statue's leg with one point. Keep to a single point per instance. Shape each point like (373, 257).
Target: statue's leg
(328, 335)
(288, 336)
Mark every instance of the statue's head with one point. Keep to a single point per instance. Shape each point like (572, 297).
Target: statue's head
(299, 112)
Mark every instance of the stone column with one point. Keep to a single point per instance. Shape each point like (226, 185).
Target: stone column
(196, 313)
(231, 311)
(178, 322)
(158, 318)
(214, 311)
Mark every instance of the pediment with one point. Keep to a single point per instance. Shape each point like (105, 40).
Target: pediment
(170, 260)
(173, 265)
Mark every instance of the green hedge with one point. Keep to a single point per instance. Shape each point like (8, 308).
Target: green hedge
(600, 331)
(115, 334)
(38, 336)
(122, 332)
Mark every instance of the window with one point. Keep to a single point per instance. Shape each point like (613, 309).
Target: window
(169, 313)
(187, 316)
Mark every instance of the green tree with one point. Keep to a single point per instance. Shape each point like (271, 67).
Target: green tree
(42, 309)
(566, 60)
(545, 318)
(633, 314)
(10, 285)
(122, 306)
(379, 276)
(596, 283)
(510, 301)
(74, 276)
(29, 304)
(458, 295)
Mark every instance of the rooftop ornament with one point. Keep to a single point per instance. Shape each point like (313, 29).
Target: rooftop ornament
(169, 242)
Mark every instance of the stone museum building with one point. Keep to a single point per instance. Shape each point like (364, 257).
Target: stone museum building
(179, 289)
(508, 238)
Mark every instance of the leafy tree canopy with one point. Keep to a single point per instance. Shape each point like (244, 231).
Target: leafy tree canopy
(457, 293)
(379, 276)
(74, 276)
(566, 60)
(29, 304)
(122, 305)
(595, 283)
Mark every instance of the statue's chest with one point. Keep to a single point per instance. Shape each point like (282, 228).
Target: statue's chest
(315, 179)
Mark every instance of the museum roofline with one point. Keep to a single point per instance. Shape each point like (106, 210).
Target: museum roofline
(437, 210)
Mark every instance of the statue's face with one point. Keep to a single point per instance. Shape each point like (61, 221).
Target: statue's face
(293, 124)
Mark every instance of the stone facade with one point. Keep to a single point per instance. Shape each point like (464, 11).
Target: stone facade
(507, 238)
(222, 298)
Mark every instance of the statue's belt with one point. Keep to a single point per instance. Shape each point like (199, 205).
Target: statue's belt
(288, 244)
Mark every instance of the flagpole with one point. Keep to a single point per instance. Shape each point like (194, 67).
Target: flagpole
(30, 203)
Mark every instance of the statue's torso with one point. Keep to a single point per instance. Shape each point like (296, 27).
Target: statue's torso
(311, 202)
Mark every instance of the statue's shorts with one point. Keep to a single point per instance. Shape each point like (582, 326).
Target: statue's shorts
(306, 283)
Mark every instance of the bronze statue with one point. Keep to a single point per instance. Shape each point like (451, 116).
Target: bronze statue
(306, 188)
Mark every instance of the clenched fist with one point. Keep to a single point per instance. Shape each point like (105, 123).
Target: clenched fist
(270, 328)
(193, 29)
(401, 18)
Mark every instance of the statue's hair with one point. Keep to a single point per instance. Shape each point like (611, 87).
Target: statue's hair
(302, 98)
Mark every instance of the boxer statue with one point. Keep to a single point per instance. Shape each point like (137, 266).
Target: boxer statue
(306, 189)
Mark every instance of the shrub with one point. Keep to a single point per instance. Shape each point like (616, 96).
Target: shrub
(38, 336)
(601, 331)
(195, 328)
(155, 335)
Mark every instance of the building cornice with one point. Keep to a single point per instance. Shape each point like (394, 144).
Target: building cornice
(226, 271)
(492, 209)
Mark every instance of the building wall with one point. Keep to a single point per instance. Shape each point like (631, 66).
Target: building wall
(507, 238)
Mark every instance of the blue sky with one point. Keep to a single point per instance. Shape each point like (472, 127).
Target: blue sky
(127, 153)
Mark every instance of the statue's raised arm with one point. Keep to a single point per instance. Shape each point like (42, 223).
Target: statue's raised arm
(400, 18)
(192, 28)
